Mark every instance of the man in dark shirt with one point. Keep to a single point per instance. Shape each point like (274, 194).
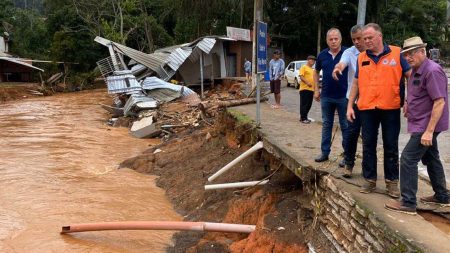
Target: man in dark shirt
(333, 94)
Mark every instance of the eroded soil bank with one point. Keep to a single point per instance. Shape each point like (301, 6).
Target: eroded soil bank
(280, 209)
(15, 91)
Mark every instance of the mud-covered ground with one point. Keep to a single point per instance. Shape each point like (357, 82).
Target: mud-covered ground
(280, 209)
(14, 91)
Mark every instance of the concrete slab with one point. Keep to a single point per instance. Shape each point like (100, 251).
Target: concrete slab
(143, 128)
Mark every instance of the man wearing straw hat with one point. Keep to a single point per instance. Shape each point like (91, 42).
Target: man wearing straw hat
(428, 115)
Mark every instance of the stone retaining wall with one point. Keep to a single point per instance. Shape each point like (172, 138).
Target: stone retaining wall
(352, 228)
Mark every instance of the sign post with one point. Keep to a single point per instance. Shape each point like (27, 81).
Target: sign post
(261, 66)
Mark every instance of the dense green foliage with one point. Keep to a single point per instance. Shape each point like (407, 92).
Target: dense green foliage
(63, 30)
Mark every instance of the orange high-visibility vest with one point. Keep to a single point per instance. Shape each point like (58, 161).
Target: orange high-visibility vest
(379, 83)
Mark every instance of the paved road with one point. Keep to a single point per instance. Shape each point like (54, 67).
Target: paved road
(290, 101)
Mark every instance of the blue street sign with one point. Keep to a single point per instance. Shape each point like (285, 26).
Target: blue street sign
(261, 44)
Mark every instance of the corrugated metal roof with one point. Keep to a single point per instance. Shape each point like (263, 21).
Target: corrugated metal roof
(178, 56)
(155, 86)
(10, 59)
(172, 57)
(206, 44)
(151, 61)
(166, 61)
(164, 95)
(133, 100)
(193, 43)
(171, 48)
(123, 82)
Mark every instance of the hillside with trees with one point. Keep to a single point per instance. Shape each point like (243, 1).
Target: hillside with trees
(63, 30)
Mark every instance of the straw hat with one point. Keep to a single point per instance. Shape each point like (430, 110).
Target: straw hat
(413, 43)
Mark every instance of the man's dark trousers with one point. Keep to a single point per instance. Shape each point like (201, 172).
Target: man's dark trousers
(390, 129)
(329, 107)
(306, 99)
(413, 152)
(354, 129)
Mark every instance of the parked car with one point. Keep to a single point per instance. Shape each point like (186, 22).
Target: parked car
(291, 73)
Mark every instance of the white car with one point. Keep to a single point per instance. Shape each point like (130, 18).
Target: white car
(291, 73)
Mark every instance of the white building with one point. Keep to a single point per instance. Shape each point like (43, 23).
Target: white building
(3, 45)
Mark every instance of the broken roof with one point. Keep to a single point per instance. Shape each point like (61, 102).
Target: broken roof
(164, 91)
(156, 62)
(166, 61)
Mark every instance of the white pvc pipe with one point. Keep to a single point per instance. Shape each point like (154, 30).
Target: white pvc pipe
(235, 185)
(159, 225)
(251, 150)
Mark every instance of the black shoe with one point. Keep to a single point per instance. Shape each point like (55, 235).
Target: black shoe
(342, 163)
(321, 158)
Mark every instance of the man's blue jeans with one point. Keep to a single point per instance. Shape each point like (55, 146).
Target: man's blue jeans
(354, 128)
(329, 107)
(390, 129)
(413, 152)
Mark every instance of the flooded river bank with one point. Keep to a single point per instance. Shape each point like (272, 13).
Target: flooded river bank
(59, 166)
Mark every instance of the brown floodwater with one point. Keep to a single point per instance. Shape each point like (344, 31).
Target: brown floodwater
(58, 165)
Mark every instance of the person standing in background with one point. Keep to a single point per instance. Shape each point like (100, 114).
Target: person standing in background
(306, 90)
(276, 71)
(248, 70)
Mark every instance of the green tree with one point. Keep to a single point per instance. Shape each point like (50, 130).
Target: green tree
(196, 18)
(71, 40)
(28, 33)
(122, 20)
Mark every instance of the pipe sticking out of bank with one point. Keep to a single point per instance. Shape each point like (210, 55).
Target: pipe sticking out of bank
(159, 225)
(253, 149)
(235, 185)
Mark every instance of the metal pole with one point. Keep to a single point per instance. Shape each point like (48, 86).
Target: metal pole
(257, 16)
(113, 57)
(124, 66)
(201, 72)
(254, 45)
(361, 12)
(258, 103)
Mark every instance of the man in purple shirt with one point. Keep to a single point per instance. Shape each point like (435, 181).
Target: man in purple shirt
(427, 113)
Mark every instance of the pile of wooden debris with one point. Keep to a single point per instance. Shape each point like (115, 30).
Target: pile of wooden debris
(168, 119)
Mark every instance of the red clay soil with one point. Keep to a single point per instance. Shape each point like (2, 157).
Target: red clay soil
(185, 163)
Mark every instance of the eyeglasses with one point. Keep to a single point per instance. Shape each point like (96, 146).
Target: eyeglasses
(411, 53)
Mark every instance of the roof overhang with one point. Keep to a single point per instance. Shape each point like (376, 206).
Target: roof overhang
(10, 59)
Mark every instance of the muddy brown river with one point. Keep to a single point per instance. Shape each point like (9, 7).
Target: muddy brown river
(58, 165)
